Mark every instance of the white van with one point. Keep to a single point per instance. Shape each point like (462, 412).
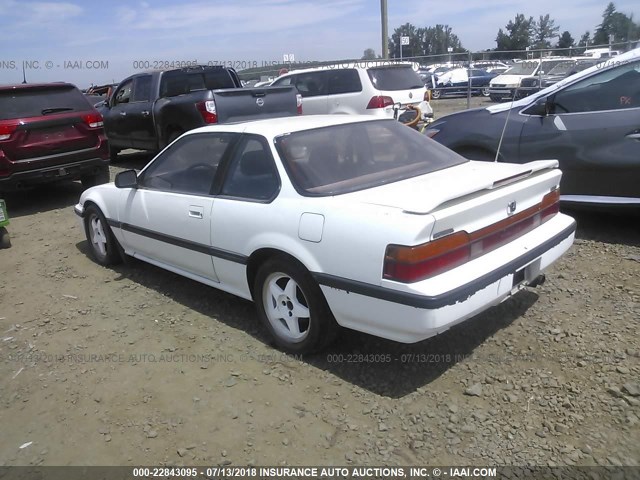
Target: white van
(507, 85)
(360, 87)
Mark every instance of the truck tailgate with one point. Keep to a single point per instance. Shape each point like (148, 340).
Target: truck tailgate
(238, 104)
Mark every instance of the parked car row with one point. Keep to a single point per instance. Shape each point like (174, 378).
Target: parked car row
(589, 122)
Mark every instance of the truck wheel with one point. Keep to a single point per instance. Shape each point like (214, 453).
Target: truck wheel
(5, 241)
(292, 307)
(102, 176)
(113, 154)
(495, 98)
(173, 134)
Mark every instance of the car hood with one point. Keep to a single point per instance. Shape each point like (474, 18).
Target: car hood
(421, 195)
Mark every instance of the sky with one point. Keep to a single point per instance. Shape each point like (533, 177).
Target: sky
(89, 42)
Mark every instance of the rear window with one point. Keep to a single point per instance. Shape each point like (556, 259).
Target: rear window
(394, 78)
(349, 157)
(21, 103)
(179, 83)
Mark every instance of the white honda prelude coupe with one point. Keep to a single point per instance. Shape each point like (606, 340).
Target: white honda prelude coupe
(328, 221)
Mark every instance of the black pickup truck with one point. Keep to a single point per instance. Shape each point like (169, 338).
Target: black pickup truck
(147, 111)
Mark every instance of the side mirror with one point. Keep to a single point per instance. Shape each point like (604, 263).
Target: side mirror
(127, 179)
(541, 107)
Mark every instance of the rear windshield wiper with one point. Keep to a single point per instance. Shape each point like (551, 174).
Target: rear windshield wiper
(46, 111)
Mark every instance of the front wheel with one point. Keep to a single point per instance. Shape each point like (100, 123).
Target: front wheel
(485, 91)
(292, 307)
(98, 178)
(436, 93)
(495, 98)
(102, 243)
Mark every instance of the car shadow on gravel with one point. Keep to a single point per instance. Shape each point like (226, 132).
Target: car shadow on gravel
(381, 366)
(45, 198)
(614, 227)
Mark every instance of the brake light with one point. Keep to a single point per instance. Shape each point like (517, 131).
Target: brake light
(94, 120)
(6, 130)
(208, 111)
(411, 264)
(380, 101)
(299, 103)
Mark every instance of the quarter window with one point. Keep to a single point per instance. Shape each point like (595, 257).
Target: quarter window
(189, 165)
(252, 173)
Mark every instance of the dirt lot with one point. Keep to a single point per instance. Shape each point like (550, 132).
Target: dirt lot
(135, 365)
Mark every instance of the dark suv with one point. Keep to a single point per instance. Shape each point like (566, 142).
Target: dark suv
(50, 132)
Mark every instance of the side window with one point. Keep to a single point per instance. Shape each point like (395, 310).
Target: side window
(252, 173)
(312, 84)
(142, 89)
(283, 81)
(614, 89)
(189, 165)
(123, 95)
(344, 81)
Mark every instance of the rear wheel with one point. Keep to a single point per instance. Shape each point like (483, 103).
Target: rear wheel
(5, 240)
(292, 307)
(102, 243)
(485, 91)
(98, 178)
(436, 93)
(495, 98)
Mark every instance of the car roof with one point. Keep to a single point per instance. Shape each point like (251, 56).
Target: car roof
(356, 64)
(36, 86)
(272, 127)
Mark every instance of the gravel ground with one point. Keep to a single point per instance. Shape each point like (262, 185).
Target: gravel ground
(135, 365)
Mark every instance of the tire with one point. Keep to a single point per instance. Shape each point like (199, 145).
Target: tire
(485, 91)
(495, 98)
(479, 154)
(102, 244)
(113, 154)
(5, 240)
(102, 176)
(280, 288)
(436, 93)
(173, 134)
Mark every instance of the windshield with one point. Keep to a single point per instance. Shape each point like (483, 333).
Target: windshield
(394, 78)
(528, 67)
(349, 157)
(34, 102)
(562, 68)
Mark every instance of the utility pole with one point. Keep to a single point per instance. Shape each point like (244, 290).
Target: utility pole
(385, 35)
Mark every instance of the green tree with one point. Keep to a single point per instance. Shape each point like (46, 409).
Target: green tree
(437, 40)
(544, 29)
(565, 40)
(411, 50)
(518, 34)
(369, 54)
(617, 25)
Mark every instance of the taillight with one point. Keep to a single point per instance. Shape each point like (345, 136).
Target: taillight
(411, 264)
(380, 101)
(299, 103)
(6, 130)
(94, 120)
(208, 111)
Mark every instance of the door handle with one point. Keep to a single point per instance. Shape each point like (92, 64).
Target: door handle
(196, 212)
(123, 114)
(145, 113)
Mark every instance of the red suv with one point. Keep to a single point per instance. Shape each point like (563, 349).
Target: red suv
(50, 132)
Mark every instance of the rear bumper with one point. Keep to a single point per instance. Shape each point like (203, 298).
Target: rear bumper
(419, 311)
(66, 171)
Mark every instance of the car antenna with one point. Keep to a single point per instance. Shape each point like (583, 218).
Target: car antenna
(24, 75)
(504, 128)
